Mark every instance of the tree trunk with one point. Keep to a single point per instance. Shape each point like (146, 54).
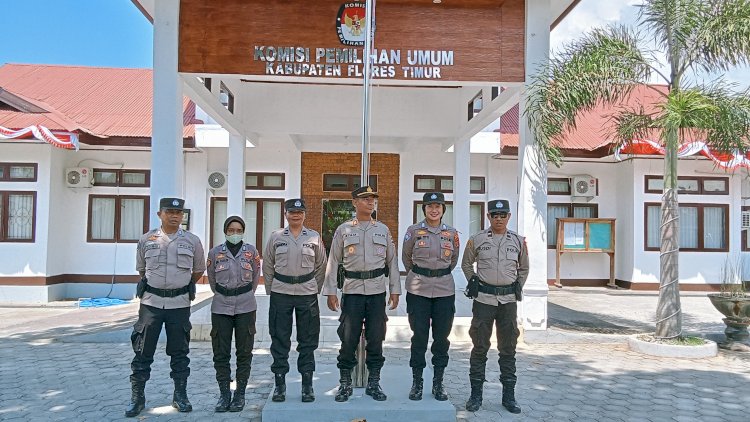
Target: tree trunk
(668, 311)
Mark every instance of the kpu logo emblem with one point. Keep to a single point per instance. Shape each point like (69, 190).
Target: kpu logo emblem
(351, 24)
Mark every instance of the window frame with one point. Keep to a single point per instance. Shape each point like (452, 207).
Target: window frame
(5, 200)
(118, 178)
(571, 206)
(6, 172)
(118, 217)
(569, 192)
(261, 185)
(701, 229)
(351, 180)
(418, 203)
(258, 224)
(438, 179)
(744, 247)
(700, 179)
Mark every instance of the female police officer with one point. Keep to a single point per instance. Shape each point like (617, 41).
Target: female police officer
(232, 270)
(429, 255)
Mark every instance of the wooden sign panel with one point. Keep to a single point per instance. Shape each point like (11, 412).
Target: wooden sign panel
(417, 40)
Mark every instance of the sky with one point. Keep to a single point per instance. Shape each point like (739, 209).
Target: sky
(115, 33)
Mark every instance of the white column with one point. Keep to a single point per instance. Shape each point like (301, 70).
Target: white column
(236, 176)
(462, 153)
(532, 169)
(166, 139)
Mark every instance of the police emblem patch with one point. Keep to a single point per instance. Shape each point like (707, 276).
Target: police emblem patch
(351, 249)
(175, 202)
(351, 24)
(499, 204)
(297, 204)
(433, 196)
(447, 252)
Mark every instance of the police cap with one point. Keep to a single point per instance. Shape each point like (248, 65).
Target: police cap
(433, 198)
(364, 192)
(172, 204)
(497, 206)
(295, 204)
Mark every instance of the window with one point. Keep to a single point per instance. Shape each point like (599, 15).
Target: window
(745, 237)
(476, 215)
(555, 211)
(117, 218)
(262, 217)
(264, 181)
(345, 182)
(703, 227)
(558, 186)
(18, 172)
(17, 216)
(475, 105)
(428, 183)
(226, 97)
(122, 178)
(691, 185)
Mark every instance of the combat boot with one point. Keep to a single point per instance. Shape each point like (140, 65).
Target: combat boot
(509, 398)
(225, 396)
(475, 400)
(416, 385)
(345, 385)
(238, 401)
(373, 386)
(438, 390)
(137, 399)
(308, 394)
(279, 389)
(180, 399)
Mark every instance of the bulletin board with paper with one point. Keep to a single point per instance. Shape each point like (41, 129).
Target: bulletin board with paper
(586, 235)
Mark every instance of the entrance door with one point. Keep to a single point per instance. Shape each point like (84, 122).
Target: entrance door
(335, 212)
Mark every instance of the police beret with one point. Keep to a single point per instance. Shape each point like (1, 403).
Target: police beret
(433, 198)
(295, 204)
(364, 192)
(171, 204)
(498, 205)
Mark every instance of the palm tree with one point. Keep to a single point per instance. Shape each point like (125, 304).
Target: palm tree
(605, 65)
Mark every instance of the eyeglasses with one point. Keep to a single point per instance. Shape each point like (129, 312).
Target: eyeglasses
(499, 215)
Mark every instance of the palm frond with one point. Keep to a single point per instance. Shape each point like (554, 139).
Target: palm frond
(723, 38)
(631, 124)
(674, 24)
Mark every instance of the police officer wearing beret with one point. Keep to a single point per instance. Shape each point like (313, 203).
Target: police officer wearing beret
(170, 260)
(294, 269)
(429, 254)
(233, 271)
(502, 268)
(364, 248)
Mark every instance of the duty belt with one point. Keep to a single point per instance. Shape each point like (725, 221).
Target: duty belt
(168, 292)
(364, 275)
(430, 273)
(497, 290)
(235, 291)
(294, 279)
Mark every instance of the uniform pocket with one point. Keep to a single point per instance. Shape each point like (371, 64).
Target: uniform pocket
(511, 255)
(422, 247)
(138, 336)
(152, 258)
(247, 271)
(351, 246)
(380, 244)
(185, 258)
(308, 257)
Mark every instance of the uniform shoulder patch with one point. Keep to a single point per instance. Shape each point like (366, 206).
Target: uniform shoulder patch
(456, 241)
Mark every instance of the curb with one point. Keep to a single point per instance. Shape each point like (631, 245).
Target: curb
(707, 350)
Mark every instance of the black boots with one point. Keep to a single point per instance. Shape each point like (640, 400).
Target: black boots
(308, 395)
(345, 385)
(373, 386)
(137, 399)
(225, 396)
(475, 400)
(279, 389)
(416, 385)
(509, 399)
(438, 391)
(180, 399)
(238, 401)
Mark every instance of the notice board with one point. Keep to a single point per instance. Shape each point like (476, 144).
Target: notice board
(586, 235)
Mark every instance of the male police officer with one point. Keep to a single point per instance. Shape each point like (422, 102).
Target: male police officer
(294, 269)
(429, 255)
(364, 249)
(502, 267)
(170, 260)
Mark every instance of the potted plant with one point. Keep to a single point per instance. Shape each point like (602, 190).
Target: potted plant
(733, 301)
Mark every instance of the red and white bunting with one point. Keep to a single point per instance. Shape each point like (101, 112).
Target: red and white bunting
(67, 140)
(727, 161)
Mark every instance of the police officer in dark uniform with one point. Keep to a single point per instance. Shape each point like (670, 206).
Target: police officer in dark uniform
(294, 269)
(363, 257)
(429, 255)
(170, 260)
(233, 271)
(502, 268)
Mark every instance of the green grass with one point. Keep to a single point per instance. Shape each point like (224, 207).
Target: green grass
(677, 341)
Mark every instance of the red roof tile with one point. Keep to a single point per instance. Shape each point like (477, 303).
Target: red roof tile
(104, 102)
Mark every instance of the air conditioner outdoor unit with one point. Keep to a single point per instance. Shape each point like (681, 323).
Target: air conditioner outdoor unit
(584, 185)
(745, 220)
(217, 180)
(79, 177)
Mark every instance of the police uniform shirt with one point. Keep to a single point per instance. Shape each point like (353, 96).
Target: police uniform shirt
(169, 263)
(294, 257)
(363, 247)
(232, 272)
(432, 248)
(501, 260)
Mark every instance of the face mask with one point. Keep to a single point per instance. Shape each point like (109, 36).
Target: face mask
(234, 238)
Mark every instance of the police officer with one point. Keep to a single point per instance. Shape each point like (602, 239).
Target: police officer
(502, 267)
(294, 269)
(362, 252)
(170, 260)
(429, 255)
(233, 271)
